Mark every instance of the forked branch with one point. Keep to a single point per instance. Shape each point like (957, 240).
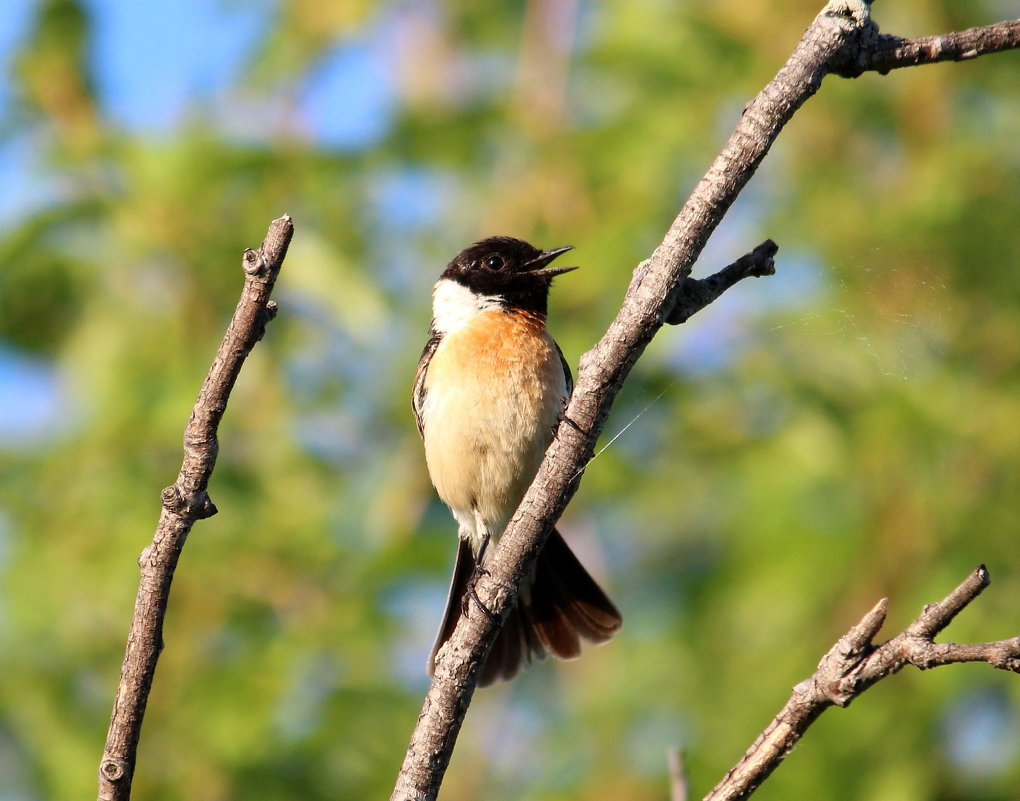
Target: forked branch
(853, 665)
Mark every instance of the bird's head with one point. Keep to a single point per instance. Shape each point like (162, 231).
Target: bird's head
(507, 270)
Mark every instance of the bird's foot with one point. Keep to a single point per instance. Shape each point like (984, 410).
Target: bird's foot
(471, 593)
(563, 418)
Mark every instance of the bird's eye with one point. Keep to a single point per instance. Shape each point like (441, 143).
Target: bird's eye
(494, 262)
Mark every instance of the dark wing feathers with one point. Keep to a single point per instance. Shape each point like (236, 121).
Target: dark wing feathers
(418, 393)
(567, 375)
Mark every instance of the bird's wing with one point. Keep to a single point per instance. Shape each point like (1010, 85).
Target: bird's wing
(418, 393)
(568, 378)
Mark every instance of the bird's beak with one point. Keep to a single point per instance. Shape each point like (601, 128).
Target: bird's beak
(537, 266)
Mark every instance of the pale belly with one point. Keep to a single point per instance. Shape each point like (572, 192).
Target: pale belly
(494, 416)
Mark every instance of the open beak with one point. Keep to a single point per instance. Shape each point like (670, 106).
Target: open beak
(537, 266)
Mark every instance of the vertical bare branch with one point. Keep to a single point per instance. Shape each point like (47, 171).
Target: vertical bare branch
(184, 502)
(678, 785)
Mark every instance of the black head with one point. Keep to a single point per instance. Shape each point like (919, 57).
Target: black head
(507, 268)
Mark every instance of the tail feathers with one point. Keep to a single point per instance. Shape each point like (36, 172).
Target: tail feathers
(567, 604)
(559, 609)
(462, 570)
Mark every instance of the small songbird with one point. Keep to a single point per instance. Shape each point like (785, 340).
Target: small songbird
(490, 390)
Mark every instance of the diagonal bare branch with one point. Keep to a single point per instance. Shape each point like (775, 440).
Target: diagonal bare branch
(651, 297)
(853, 665)
(184, 502)
(835, 39)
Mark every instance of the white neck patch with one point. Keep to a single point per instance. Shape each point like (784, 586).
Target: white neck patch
(454, 305)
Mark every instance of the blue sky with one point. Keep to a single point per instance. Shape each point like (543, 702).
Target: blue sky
(154, 64)
(154, 60)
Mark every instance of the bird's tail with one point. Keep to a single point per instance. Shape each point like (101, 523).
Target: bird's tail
(558, 609)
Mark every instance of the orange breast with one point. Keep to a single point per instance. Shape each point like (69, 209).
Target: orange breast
(494, 392)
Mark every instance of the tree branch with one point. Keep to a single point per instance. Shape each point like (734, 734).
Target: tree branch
(886, 53)
(695, 294)
(834, 39)
(678, 784)
(853, 665)
(184, 502)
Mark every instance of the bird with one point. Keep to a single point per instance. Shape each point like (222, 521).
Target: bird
(489, 392)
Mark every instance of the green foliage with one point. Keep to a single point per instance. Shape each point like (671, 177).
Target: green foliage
(847, 430)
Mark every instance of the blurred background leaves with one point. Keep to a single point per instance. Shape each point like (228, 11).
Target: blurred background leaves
(845, 430)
